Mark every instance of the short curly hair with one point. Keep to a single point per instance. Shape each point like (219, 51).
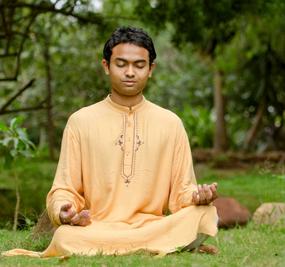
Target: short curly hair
(130, 35)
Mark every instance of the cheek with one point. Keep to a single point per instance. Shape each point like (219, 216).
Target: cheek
(143, 76)
(115, 76)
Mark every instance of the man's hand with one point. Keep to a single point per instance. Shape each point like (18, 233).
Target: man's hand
(205, 195)
(68, 215)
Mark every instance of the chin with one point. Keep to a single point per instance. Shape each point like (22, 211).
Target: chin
(130, 92)
(127, 91)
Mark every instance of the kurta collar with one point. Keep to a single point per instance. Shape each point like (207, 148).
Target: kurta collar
(125, 108)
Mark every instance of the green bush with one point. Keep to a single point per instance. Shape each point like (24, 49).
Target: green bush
(199, 125)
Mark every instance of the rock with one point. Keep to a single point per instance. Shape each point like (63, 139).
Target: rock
(270, 213)
(231, 212)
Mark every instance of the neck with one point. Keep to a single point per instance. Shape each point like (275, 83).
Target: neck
(125, 100)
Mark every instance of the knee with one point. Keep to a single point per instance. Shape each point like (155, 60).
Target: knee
(60, 233)
(211, 212)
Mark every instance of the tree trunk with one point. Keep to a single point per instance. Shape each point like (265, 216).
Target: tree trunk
(50, 123)
(251, 134)
(17, 206)
(220, 137)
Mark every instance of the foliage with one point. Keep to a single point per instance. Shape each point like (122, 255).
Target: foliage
(14, 141)
(208, 23)
(199, 125)
(35, 179)
(255, 66)
(244, 39)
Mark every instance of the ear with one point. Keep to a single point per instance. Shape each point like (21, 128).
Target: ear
(105, 65)
(152, 67)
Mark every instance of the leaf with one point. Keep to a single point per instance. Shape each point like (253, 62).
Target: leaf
(3, 127)
(13, 123)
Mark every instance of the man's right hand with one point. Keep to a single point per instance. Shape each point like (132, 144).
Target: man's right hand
(68, 215)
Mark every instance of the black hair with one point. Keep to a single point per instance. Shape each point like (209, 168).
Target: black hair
(130, 35)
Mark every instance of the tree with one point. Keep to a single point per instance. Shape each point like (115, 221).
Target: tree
(20, 23)
(208, 25)
(257, 94)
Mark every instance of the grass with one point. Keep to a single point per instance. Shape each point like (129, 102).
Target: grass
(253, 245)
(251, 187)
(248, 246)
(35, 179)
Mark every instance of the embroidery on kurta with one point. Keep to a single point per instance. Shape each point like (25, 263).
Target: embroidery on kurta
(139, 142)
(120, 142)
(129, 142)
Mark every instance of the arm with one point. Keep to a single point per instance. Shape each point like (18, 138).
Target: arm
(67, 187)
(183, 181)
(184, 189)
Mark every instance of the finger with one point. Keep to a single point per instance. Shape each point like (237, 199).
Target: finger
(195, 198)
(208, 193)
(66, 207)
(84, 213)
(64, 219)
(202, 195)
(75, 219)
(85, 218)
(84, 221)
(65, 216)
(70, 214)
(214, 192)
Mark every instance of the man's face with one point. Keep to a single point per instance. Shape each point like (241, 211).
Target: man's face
(129, 69)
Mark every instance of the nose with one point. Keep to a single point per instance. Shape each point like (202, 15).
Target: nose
(130, 72)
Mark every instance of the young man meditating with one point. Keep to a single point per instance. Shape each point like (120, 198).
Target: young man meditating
(124, 164)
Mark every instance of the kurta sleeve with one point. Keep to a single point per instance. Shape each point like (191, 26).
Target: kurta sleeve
(183, 181)
(67, 186)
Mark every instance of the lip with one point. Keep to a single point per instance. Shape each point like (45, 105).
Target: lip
(129, 82)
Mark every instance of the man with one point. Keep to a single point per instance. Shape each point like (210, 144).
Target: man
(124, 164)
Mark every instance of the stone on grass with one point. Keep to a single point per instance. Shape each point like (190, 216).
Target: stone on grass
(231, 213)
(270, 213)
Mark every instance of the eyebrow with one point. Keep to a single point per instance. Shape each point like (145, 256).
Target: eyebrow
(125, 60)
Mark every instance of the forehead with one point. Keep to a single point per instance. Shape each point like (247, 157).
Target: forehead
(129, 52)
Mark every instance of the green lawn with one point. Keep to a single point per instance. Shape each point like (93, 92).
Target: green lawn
(248, 246)
(252, 245)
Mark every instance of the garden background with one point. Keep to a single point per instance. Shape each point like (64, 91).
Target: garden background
(220, 67)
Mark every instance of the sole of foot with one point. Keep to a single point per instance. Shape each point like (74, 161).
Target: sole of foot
(207, 249)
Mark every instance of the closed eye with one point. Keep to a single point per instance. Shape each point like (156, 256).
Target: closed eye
(140, 65)
(120, 65)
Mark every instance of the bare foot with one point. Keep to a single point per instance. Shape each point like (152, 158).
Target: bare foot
(208, 249)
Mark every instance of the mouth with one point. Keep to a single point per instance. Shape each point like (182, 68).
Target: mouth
(129, 82)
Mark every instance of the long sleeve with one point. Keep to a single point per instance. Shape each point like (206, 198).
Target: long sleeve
(183, 182)
(67, 186)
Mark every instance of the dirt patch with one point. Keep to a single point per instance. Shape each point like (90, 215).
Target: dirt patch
(238, 160)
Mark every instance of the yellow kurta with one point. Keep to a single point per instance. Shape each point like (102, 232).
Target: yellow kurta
(129, 167)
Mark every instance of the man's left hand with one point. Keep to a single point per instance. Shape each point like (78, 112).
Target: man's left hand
(205, 195)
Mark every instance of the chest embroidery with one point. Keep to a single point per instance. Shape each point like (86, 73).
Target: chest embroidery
(129, 142)
(120, 142)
